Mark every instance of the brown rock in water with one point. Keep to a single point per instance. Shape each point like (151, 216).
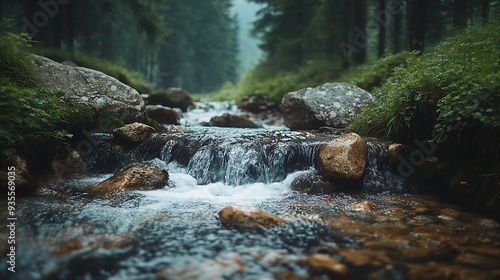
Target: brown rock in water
(363, 206)
(344, 157)
(229, 120)
(395, 150)
(135, 132)
(23, 178)
(145, 177)
(70, 165)
(162, 114)
(321, 261)
(248, 216)
(312, 183)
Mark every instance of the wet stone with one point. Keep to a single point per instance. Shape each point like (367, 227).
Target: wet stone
(248, 216)
(324, 262)
(363, 206)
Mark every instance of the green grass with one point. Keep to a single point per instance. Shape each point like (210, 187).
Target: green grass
(261, 81)
(450, 96)
(458, 82)
(29, 111)
(15, 61)
(372, 75)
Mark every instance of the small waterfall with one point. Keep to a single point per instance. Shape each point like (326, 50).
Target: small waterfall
(241, 158)
(379, 175)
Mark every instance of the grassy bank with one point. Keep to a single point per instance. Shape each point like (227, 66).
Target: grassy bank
(448, 99)
(260, 81)
(29, 111)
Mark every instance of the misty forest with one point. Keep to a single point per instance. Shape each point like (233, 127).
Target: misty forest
(250, 139)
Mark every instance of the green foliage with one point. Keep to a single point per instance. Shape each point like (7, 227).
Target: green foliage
(132, 78)
(371, 75)
(261, 81)
(454, 86)
(15, 63)
(28, 112)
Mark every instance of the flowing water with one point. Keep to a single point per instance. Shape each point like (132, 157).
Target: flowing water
(379, 231)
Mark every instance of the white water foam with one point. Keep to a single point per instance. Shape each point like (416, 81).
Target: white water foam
(185, 188)
(205, 110)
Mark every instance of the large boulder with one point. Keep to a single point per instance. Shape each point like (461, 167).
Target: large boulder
(78, 86)
(133, 133)
(343, 157)
(230, 120)
(331, 104)
(172, 97)
(162, 114)
(248, 216)
(145, 177)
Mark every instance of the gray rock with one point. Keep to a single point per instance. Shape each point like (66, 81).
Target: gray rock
(92, 89)
(331, 104)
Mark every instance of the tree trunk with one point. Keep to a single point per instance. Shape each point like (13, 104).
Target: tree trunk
(398, 30)
(460, 13)
(418, 25)
(345, 32)
(31, 24)
(485, 10)
(383, 23)
(69, 8)
(57, 31)
(360, 40)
